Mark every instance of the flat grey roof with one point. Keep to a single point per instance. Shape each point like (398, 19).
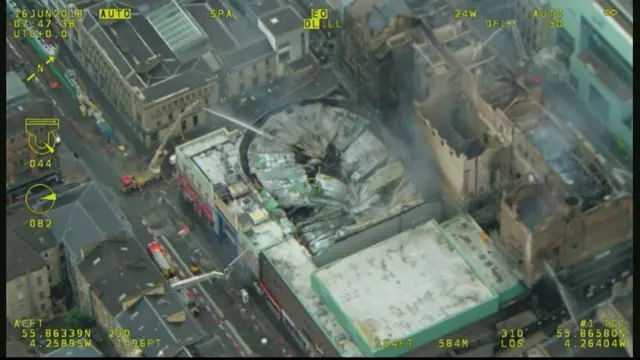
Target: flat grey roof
(434, 281)
(282, 21)
(118, 269)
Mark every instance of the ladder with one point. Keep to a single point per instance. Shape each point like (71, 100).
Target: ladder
(517, 38)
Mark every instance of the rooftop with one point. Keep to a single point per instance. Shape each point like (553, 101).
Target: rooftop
(85, 214)
(76, 352)
(421, 264)
(21, 259)
(559, 149)
(162, 317)
(377, 13)
(38, 239)
(16, 88)
(474, 246)
(295, 266)
(282, 21)
(118, 269)
(151, 50)
(339, 175)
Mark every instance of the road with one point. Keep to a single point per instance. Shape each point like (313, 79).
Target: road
(164, 221)
(103, 170)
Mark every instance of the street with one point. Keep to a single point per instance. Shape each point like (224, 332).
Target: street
(102, 167)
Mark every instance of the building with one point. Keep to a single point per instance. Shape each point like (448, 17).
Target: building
(262, 199)
(164, 318)
(113, 275)
(599, 48)
(374, 47)
(24, 167)
(91, 352)
(286, 36)
(82, 216)
(561, 200)
(41, 241)
(152, 71)
(28, 293)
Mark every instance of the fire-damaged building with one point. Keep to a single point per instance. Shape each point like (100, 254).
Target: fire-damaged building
(24, 167)
(561, 202)
(310, 185)
(376, 46)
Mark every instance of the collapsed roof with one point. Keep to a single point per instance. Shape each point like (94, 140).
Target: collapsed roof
(329, 173)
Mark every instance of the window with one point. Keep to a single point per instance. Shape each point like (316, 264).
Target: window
(266, 61)
(41, 295)
(240, 74)
(565, 41)
(45, 254)
(628, 122)
(170, 116)
(268, 76)
(241, 87)
(573, 81)
(284, 57)
(599, 47)
(20, 296)
(598, 103)
(43, 307)
(255, 68)
(183, 125)
(50, 279)
(48, 268)
(255, 81)
(195, 120)
(39, 280)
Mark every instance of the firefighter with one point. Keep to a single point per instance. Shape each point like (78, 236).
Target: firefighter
(195, 269)
(193, 308)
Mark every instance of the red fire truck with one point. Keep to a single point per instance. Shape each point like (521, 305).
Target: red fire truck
(162, 259)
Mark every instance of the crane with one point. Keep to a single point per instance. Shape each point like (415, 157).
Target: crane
(153, 166)
(195, 280)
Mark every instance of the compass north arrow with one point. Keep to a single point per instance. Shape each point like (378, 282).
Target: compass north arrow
(50, 197)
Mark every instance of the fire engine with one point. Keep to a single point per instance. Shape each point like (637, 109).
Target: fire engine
(162, 259)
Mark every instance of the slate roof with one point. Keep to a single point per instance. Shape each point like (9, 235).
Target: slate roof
(182, 41)
(282, 21)
(85, 214)
(163, 33)
(118, 268)
(38, 239)
(241, 58)
(21, 259)
(76, 352)
(162, 317)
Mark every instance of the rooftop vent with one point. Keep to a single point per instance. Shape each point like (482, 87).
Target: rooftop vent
(274, 21)
(96, 262)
